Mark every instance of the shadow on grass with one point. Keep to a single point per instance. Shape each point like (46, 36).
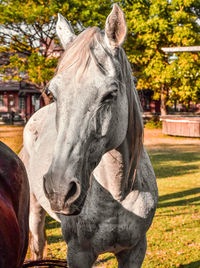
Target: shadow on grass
(174, 171)
(181, 202)
(104, 260)
(195, 264)
(165, 161)
(51, 223)
(179, 194)
(185, 147)
(54, 239)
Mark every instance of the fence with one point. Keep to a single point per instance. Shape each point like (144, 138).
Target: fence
(187, 126)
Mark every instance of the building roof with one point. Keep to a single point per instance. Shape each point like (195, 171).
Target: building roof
(20, 86)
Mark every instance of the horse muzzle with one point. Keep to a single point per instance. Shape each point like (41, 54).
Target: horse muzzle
(66, 200)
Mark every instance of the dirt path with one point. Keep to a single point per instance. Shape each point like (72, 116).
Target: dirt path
(154, 139)
(11, 131)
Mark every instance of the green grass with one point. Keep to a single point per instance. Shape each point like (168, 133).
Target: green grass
(154, 122)
(174, 237)
(56, 246)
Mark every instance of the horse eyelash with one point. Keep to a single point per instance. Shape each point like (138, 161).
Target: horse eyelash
(109, 96)
(49, 93)
(51, 96)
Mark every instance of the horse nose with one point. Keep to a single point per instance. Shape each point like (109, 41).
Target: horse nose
(62, 198)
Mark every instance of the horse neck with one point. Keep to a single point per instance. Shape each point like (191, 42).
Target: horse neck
(112, 171)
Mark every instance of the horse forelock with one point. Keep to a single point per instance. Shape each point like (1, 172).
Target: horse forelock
(78, 53)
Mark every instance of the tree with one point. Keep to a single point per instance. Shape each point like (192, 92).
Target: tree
(186, 32)
(27, 32)
(154, 24)
(185, 86)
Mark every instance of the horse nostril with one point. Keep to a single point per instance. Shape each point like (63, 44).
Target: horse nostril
(62, 198)
(73, 192)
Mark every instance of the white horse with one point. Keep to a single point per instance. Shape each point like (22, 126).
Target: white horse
(84, 153)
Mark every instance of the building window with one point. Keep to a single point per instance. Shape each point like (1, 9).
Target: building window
(21, 103)
(1, 100)
(36, 102)
(11, 101)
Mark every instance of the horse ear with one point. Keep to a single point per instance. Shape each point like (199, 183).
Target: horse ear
(115, 28)
(64, 31)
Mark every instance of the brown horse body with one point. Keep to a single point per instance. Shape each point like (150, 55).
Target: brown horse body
(14, 209)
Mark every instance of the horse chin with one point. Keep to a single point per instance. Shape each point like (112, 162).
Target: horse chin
(72, 210)
(68, 213)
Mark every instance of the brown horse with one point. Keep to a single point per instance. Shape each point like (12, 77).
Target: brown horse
(14, 209)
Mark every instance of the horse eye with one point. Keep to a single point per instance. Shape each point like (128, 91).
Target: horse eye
(51, 97)
(49, 94)
(46, 90)
(110, 96)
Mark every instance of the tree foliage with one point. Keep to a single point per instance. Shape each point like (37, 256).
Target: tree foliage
(27, 30)
(154, 24)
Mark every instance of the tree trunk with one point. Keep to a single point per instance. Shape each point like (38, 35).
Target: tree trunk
(175, 103)
(163, 106)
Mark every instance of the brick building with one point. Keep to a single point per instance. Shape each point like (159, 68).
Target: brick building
(18, 101)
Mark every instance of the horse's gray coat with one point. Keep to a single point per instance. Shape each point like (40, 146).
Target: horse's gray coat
(89, 146)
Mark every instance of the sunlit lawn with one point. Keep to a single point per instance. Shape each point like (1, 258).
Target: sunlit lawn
(12, 136)
(174, 237)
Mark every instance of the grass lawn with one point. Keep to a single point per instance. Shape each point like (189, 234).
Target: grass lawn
(174, 237)
(12, 136)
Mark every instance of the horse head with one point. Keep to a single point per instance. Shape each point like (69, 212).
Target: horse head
(92, 108)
